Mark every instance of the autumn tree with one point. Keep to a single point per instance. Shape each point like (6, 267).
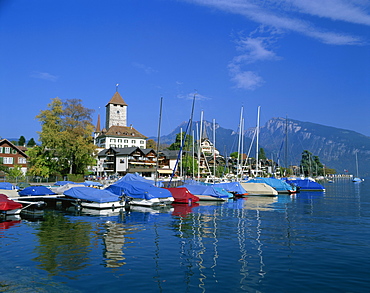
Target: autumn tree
(66, 142)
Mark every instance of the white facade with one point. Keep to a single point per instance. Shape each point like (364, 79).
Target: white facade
(116, 115)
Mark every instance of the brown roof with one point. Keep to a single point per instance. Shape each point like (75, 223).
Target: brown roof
(123, 131)
(97, 128)
(117, 99)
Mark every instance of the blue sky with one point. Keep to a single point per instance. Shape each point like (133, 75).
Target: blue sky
(308, 60)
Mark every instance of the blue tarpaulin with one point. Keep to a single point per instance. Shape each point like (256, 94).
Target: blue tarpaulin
(7, 186)
(278, 184)
(36, 191)
(305, 184)
(233, 187)
(199, 189)
(137, 177)
(138, 189)
(92, 194)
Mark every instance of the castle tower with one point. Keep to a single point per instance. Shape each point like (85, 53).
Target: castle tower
(116, 111)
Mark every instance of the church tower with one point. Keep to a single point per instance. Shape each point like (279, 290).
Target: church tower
(116, 111)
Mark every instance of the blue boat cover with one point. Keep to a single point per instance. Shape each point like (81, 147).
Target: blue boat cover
(35, 191)
(137, 177)
(275, 183)
(7, 186)
(138, 189)
(92, 183)
(200, 189)
(61, 183)
(305, 184)
(92, 194)
(233, 187)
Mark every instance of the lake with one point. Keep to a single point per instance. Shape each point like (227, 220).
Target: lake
(308, 242)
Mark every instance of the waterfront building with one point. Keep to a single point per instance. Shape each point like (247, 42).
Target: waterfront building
(116, 133)
(12, 155)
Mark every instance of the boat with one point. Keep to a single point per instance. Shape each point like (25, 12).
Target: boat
(305, 184)
(141, 193)
(282, 187)
(92, 198)
(208, 192)
(9, 206)
(259, 189)
(357, 179)
(38, 190)
(234, 188)
(182, 195)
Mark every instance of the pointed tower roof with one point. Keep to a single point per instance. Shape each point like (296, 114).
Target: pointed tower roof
(97, 128)
(117, 99)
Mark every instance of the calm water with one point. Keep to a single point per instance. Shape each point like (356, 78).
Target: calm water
(312, 242)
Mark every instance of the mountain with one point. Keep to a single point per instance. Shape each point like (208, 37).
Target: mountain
(335, 147)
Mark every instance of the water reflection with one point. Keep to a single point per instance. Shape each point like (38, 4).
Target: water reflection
(63, 245)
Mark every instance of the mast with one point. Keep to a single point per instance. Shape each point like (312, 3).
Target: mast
(214, 148)
(257, 138)
(239, 142)
(158, 138)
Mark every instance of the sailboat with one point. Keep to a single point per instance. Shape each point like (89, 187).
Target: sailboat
(357, 178)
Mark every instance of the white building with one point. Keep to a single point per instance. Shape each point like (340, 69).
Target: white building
(116, 133)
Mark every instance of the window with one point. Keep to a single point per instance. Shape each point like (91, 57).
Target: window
(14, 151)
(120, 146)
(8, 160)
(126, 141)
(22, 161)
(1, 150)
(126, 146)
(7, 150)
(113, 140)
(119, 140)
(133, 141)
(112, 145)
(141, 142)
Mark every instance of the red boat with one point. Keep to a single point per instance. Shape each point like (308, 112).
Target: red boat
(9, 206)
(182, 195)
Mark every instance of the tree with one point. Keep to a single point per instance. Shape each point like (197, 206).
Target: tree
(66, 142)
(177, 144)
(22, 141)
(188, 165)
(261, 154)
(151, 144)
(31, 143)
(311, 164)
(15, 172)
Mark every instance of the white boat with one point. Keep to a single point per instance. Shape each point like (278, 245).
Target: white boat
(92, 198)
(357, 178)
(259, 189)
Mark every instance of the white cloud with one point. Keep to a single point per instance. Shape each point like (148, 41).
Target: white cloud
(287, 15)
(247, 80)
(44, 75)
(190, 96)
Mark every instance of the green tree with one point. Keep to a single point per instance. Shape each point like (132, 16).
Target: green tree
(177, 144)
(31, 143)
(189, 164)
(21, 141)
(261, 154)
(311, 165)
(15, 172)
(66, 142)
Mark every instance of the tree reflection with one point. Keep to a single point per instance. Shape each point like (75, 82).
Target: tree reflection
(64, 245)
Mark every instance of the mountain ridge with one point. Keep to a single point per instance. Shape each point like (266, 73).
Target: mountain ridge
(336, 147)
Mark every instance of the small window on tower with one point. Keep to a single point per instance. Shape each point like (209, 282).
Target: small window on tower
(118, 112)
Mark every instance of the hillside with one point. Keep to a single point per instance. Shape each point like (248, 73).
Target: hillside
(336, 147)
